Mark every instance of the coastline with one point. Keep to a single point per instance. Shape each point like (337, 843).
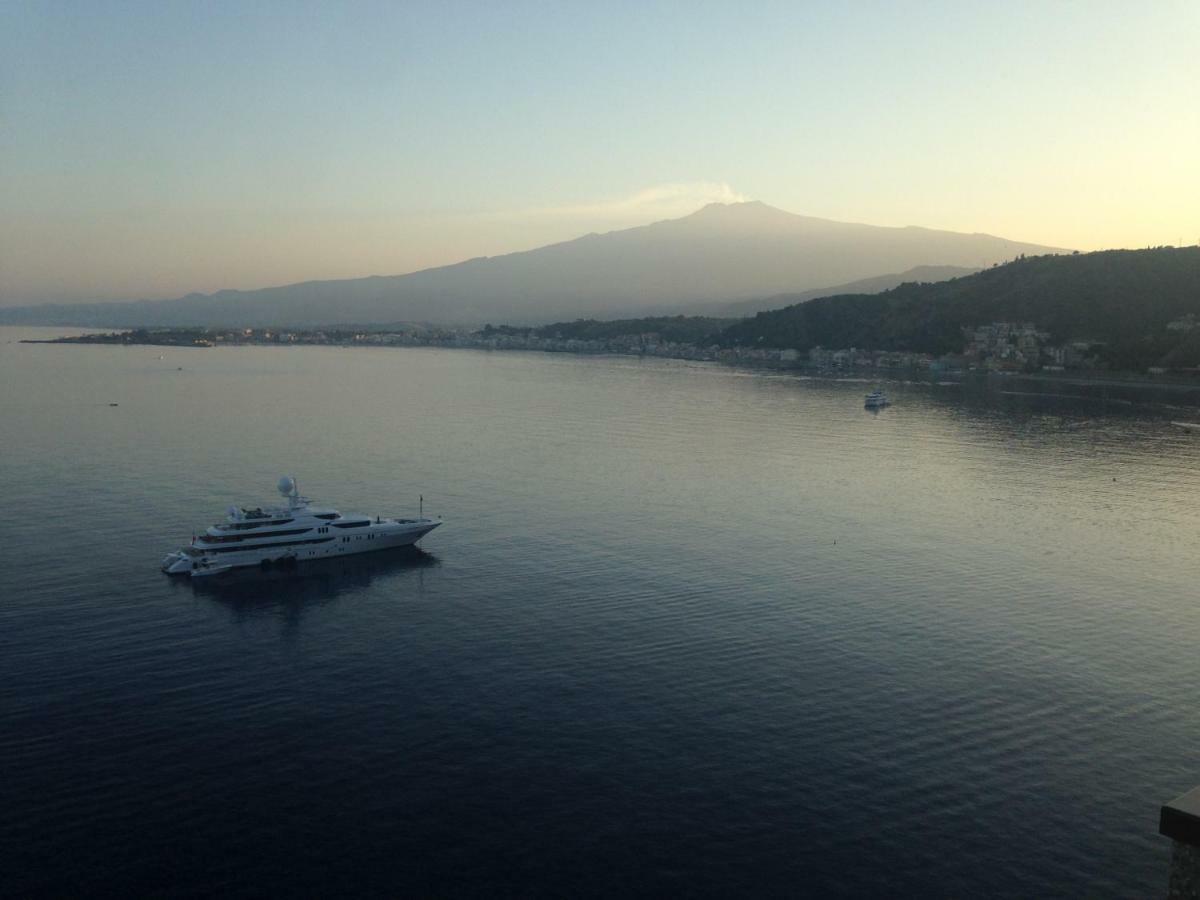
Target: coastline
(198, 338)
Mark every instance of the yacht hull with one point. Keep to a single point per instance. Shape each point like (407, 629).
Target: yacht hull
(322, 542)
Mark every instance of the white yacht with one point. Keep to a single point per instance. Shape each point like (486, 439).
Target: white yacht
(285, 535)
(876, 400)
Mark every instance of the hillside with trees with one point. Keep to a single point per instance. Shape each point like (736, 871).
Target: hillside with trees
(700, 330)
(1122, 299)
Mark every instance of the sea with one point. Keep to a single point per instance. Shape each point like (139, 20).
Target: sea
(686, 630)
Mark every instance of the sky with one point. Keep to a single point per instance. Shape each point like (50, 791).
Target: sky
(154, 149)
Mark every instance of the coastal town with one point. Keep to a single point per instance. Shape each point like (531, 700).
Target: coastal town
(997, 346)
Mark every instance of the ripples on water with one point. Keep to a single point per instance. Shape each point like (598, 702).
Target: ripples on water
(686, 630)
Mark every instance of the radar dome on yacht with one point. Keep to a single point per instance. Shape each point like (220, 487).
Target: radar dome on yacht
(287, 484)
(232, 512)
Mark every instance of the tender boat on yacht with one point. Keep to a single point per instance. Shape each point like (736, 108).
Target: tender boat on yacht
(876, 400)
(290, 534)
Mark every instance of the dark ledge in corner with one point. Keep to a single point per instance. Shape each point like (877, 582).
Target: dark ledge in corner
(1180, 819)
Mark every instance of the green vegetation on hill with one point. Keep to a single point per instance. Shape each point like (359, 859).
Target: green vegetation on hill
(1121, 298)
(699, 330)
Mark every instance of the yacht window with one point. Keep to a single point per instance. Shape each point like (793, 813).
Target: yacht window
(242, 526)
(272, 546)
(234, 538)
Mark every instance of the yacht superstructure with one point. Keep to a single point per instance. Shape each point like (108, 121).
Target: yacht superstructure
(290, 534)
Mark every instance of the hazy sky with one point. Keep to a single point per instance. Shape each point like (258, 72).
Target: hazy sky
(151, 149)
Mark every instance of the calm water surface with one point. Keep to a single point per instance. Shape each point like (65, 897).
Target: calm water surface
(686, 630)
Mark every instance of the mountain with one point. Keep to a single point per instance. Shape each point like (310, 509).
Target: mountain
(721, 253)
(1124, 299)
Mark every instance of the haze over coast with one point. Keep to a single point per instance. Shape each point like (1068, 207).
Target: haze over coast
(731, 254)
(157, 153)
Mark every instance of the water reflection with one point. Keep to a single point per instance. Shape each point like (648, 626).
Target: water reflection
(288, 593)
(1098, 397)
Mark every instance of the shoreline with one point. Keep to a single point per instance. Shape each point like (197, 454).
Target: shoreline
(192, 340)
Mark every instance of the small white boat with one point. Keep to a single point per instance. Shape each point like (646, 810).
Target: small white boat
(876, 400)
(285, 535)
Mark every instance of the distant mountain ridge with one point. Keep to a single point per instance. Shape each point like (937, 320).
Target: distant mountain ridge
(720, 254)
